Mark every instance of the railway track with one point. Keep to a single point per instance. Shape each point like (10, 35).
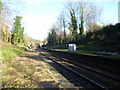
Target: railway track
(103, 80)
(97, 62)
(74, 76)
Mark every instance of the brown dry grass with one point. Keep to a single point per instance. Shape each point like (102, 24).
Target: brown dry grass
(18, 73)
(26, 71)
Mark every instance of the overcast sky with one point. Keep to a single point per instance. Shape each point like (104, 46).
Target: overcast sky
(39, 15)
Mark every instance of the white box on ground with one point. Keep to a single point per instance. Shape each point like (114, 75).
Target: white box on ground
(72, 47)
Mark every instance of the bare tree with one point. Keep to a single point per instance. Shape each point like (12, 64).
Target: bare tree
(88, 15)
(93, 16)
(62, 26)
(8, 12)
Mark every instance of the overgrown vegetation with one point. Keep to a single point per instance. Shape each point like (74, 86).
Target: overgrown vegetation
(16, 69)
(104, 39)
(14, 36)
(80, 17)
(18, 36)
(10, 51)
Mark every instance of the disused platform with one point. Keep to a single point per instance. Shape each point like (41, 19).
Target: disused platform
(56, 80)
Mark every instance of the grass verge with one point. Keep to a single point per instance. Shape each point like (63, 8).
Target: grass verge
(16, 71)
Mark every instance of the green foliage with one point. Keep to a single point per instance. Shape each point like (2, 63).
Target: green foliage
(14, 66)
(81, 26)
(21, 38)
(18, 31)
(100, 39)
(64, 31)
(52, 37)
(10, 52)
(73, 25)
(97, 38)
(105, 39)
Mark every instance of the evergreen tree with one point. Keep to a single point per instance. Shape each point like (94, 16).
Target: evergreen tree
(21, 36)
(73, 25)
(64, 31)
(18, 31)
(81, 26)
(52, 37)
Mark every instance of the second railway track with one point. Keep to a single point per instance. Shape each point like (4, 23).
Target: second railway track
(100, 79)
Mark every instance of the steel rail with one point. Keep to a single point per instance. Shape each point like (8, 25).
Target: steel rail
(99, 85)
(117, 79)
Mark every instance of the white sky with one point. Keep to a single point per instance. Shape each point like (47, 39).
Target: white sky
(37, 26)
(39, 15)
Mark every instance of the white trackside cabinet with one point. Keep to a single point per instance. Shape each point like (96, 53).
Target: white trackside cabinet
(72, 47)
